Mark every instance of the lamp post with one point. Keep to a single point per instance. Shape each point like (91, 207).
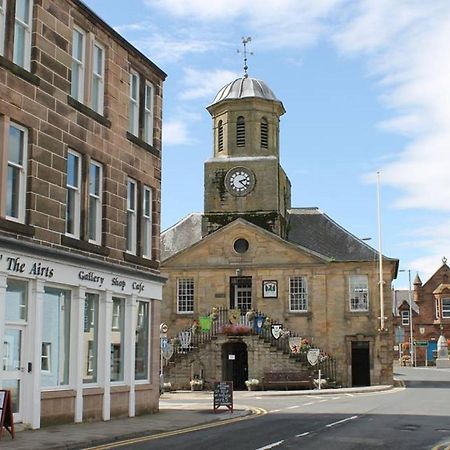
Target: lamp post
(412, 351)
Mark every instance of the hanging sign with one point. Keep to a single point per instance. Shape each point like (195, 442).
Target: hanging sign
(234, 316)
(223, 395)
(185, 338)
(277, 330)
(167, 352)
(205, 323)
(6, 414)
(259, 322)
(313, 356)
(295, 344)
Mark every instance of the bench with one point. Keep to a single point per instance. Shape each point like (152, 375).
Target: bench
(286, 380)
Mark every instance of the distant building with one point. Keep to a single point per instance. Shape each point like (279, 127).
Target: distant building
(80, 171)
(251, 251)
(431, 313)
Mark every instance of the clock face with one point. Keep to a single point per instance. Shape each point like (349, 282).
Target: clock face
(239, 181)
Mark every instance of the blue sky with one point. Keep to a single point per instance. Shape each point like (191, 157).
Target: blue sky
(366, 87)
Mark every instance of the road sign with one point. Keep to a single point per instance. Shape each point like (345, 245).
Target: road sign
(421, 343)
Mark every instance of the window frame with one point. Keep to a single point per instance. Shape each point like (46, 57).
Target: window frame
(148, 112)
(445, 309)
(91, 352)
(185, 295)
(22, 169)
(352, 285)
(118, 326)
(133, 104)
(131, 228)
(97, 198)
(77, 197)
(303, 294)
(98, 106)
(3, 6)
(145, 325)
(81, 65)
(146, 229)
(27, 27)
(405, 317)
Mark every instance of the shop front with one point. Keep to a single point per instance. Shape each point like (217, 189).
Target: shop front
(78, 336)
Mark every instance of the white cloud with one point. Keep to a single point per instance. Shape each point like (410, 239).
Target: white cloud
(205, 83)
(175, 132)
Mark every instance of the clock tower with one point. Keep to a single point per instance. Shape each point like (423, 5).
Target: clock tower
(244, 177)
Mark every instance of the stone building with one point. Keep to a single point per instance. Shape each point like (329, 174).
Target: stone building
(80, 171)
(250, 250)
(431, 314)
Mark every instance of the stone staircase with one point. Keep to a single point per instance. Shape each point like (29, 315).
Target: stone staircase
(203, 357)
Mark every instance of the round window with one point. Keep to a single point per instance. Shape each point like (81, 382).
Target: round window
(241, 245)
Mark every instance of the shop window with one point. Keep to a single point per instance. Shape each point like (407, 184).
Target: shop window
(90, 338)
(16, 309)
(95, 202)
(298, 294)
(55, 358)
(117, 339)
(147, 222)
(142, 341)
(405, 318)
(78, 64)
(446, 308)
(240, 132)
(185, 295)
(359, 293)
(131, 216)
(73, 194)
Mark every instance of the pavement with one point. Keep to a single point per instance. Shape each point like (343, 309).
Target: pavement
(179, 410)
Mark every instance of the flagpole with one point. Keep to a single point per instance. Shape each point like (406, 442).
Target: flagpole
(380, 256)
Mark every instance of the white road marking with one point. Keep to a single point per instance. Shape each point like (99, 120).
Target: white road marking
(341, 421)
(349, 395)
(321, 401)
(293, 407)
(275, 444)
(310, 403)
(275, 410)
(336, 398)
(303, 434)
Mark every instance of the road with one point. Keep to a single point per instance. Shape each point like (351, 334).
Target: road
(414, 417)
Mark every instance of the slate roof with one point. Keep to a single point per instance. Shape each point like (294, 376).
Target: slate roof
(307, 227)
(401, 296)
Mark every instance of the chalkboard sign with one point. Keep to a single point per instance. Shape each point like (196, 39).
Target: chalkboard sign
(223, 395)
(6, 415)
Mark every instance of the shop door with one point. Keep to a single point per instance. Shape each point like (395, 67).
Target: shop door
(14, 370)
(241, 293)
(360, 363)
(235, 364)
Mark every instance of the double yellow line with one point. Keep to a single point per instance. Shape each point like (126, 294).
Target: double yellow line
(254, 413)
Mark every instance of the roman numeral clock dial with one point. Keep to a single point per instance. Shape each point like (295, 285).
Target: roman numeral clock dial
(239, 181)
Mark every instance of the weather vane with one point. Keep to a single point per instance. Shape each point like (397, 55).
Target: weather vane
(245, 41)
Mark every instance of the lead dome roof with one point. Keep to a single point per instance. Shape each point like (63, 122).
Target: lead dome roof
(245, 87)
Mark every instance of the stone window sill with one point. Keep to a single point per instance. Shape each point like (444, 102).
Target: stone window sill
(83, 245)
(19, 71)
(88, 112)
(16, 227)
(138, 141)
(152, 264)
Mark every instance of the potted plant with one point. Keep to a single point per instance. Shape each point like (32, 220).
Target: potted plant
(252, 384)
(196, 383)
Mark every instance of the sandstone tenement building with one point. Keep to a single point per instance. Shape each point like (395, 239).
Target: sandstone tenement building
(251, 251)
(80, 171)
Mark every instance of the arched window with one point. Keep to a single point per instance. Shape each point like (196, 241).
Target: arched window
(240, 132)
(220, 136)
(264, 133)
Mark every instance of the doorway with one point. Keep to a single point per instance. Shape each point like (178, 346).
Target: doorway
(235, 364)
(241, 293)
(360, 363)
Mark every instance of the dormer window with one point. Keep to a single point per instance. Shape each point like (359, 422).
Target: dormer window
(220, 136)
(264, 133)
(240, 132)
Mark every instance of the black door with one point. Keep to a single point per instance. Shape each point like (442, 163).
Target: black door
(360, 363)
(235, 364)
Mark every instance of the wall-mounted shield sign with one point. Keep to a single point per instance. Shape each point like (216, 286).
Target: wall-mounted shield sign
(294, 344)
(313, 356)
(167, 352)
(259, 322)
(422, 330)
(185, 338)
(277, 330)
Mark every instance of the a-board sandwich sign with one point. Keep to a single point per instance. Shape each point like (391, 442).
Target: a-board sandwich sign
(223, 395)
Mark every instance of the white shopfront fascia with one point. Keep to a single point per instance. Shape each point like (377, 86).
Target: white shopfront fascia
(79, 278)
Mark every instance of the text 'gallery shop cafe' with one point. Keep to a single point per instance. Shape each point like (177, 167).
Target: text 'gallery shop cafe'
(78, 335)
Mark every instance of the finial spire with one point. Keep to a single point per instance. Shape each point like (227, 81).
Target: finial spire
(444, 260)
(245, 41)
